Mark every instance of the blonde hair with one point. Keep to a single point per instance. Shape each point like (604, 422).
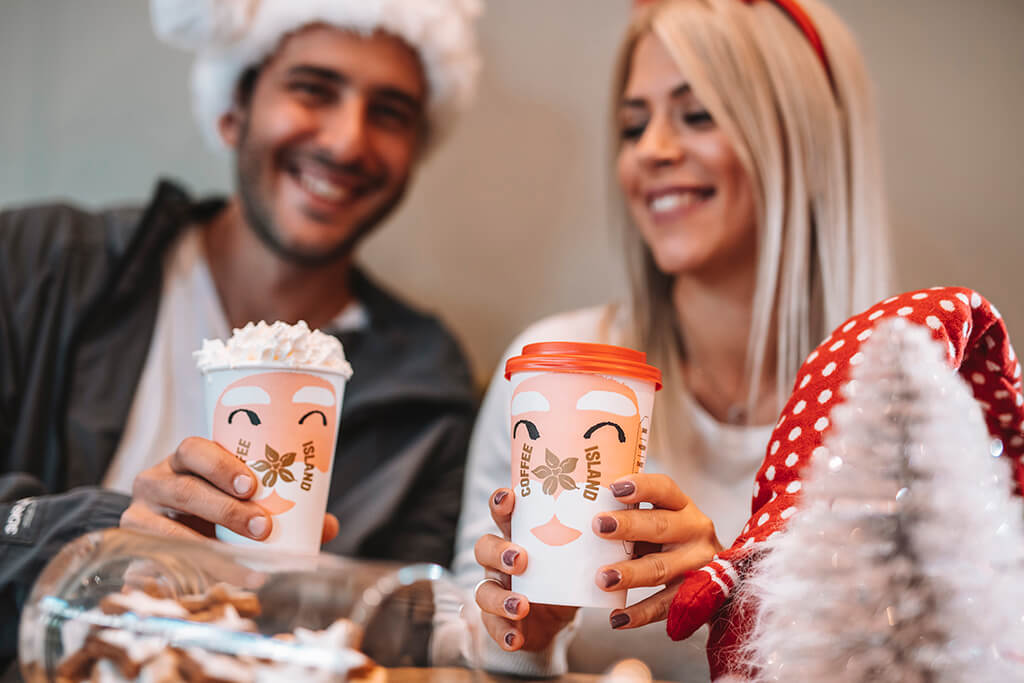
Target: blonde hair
(811, 149)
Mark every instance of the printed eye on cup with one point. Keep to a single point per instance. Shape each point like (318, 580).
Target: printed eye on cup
(580, 419)
(280, 415)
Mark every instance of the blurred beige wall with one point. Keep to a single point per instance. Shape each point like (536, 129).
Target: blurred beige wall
(511, 221)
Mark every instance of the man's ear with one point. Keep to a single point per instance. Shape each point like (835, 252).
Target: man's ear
(229, 125)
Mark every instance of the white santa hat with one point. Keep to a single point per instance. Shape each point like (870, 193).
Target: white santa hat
(230, 36)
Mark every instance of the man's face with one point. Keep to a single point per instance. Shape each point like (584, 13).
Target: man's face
(326, 140)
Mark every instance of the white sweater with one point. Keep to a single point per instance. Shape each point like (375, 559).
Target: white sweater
(717, 474)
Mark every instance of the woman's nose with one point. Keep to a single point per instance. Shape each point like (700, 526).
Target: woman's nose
(660, 143)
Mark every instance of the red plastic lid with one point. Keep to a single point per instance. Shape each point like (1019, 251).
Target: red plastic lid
(602, 359)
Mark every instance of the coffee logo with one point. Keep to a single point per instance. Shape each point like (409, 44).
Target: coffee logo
(308, 458)
(556, 473)
(275, 466)
(524, 470)
(641, 445)
(593, 484)
(242, 451)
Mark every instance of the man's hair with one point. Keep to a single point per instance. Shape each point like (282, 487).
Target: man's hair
(246, 85)
(229, 37)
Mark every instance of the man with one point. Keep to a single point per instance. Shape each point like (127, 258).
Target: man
(328, 106)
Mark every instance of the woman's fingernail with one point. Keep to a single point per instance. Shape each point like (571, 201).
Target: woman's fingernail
(610, 577)
(508, 558)
(510, 638)
(257, 526)
(605, 525)
(619, 620)
(512, 605)
(500, 496)
(623, 488)
(243, 484)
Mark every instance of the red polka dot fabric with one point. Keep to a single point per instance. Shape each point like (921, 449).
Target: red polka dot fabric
(976, 340)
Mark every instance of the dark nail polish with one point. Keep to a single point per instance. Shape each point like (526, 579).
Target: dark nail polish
(606, 525)
(510, 638)
(500, 496)
(508, 558)
(512, 605)
(610, 577)
(623, 488)
(619, 620)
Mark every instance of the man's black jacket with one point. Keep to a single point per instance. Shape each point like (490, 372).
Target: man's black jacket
(79, 294)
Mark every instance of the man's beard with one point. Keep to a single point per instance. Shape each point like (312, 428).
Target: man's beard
(259, 217)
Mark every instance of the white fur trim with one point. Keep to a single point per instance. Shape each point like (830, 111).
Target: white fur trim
(196, 24)
(231, 35)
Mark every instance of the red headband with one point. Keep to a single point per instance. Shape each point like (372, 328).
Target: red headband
(795, 12)
(799, 17)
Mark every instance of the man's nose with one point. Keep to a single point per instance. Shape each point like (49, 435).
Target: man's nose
(345, 133)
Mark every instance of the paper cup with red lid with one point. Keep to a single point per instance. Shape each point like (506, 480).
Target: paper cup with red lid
(580, 420)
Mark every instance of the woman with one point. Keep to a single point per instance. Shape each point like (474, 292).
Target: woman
(748, 161)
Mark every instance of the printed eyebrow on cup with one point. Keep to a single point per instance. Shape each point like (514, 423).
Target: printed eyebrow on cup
(530, 402)
(314, 412)
(590, 432)
(254, 419)
(318, 396)
(531, 429)
(608, 402)
(245, 396)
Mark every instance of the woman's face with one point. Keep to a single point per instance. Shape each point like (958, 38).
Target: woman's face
(686, 189)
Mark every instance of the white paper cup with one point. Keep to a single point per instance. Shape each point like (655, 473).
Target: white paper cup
(283, 422)
(573, 434)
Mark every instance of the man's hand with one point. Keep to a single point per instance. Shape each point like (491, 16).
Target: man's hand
(198, 486)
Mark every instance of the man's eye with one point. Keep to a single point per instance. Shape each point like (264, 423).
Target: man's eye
(531, 429)
(590, 432)
(254, 419)
(314, 412)
(314, 91)
(390, 116)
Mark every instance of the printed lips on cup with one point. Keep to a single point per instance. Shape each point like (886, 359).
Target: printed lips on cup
(580, 419)
(273, 397)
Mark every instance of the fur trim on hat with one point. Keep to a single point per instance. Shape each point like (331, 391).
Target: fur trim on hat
(229, 36)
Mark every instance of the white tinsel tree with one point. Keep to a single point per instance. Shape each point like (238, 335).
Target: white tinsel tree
(906, 561)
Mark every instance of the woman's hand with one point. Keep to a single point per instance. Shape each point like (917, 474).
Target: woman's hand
(509, 617)
(672, 539)
(196, 487)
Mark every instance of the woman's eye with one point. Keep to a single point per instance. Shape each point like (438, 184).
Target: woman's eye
(254, 419)
(632, 133)
(697, 118)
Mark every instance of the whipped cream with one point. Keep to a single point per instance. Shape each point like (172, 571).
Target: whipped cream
(279, 344)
